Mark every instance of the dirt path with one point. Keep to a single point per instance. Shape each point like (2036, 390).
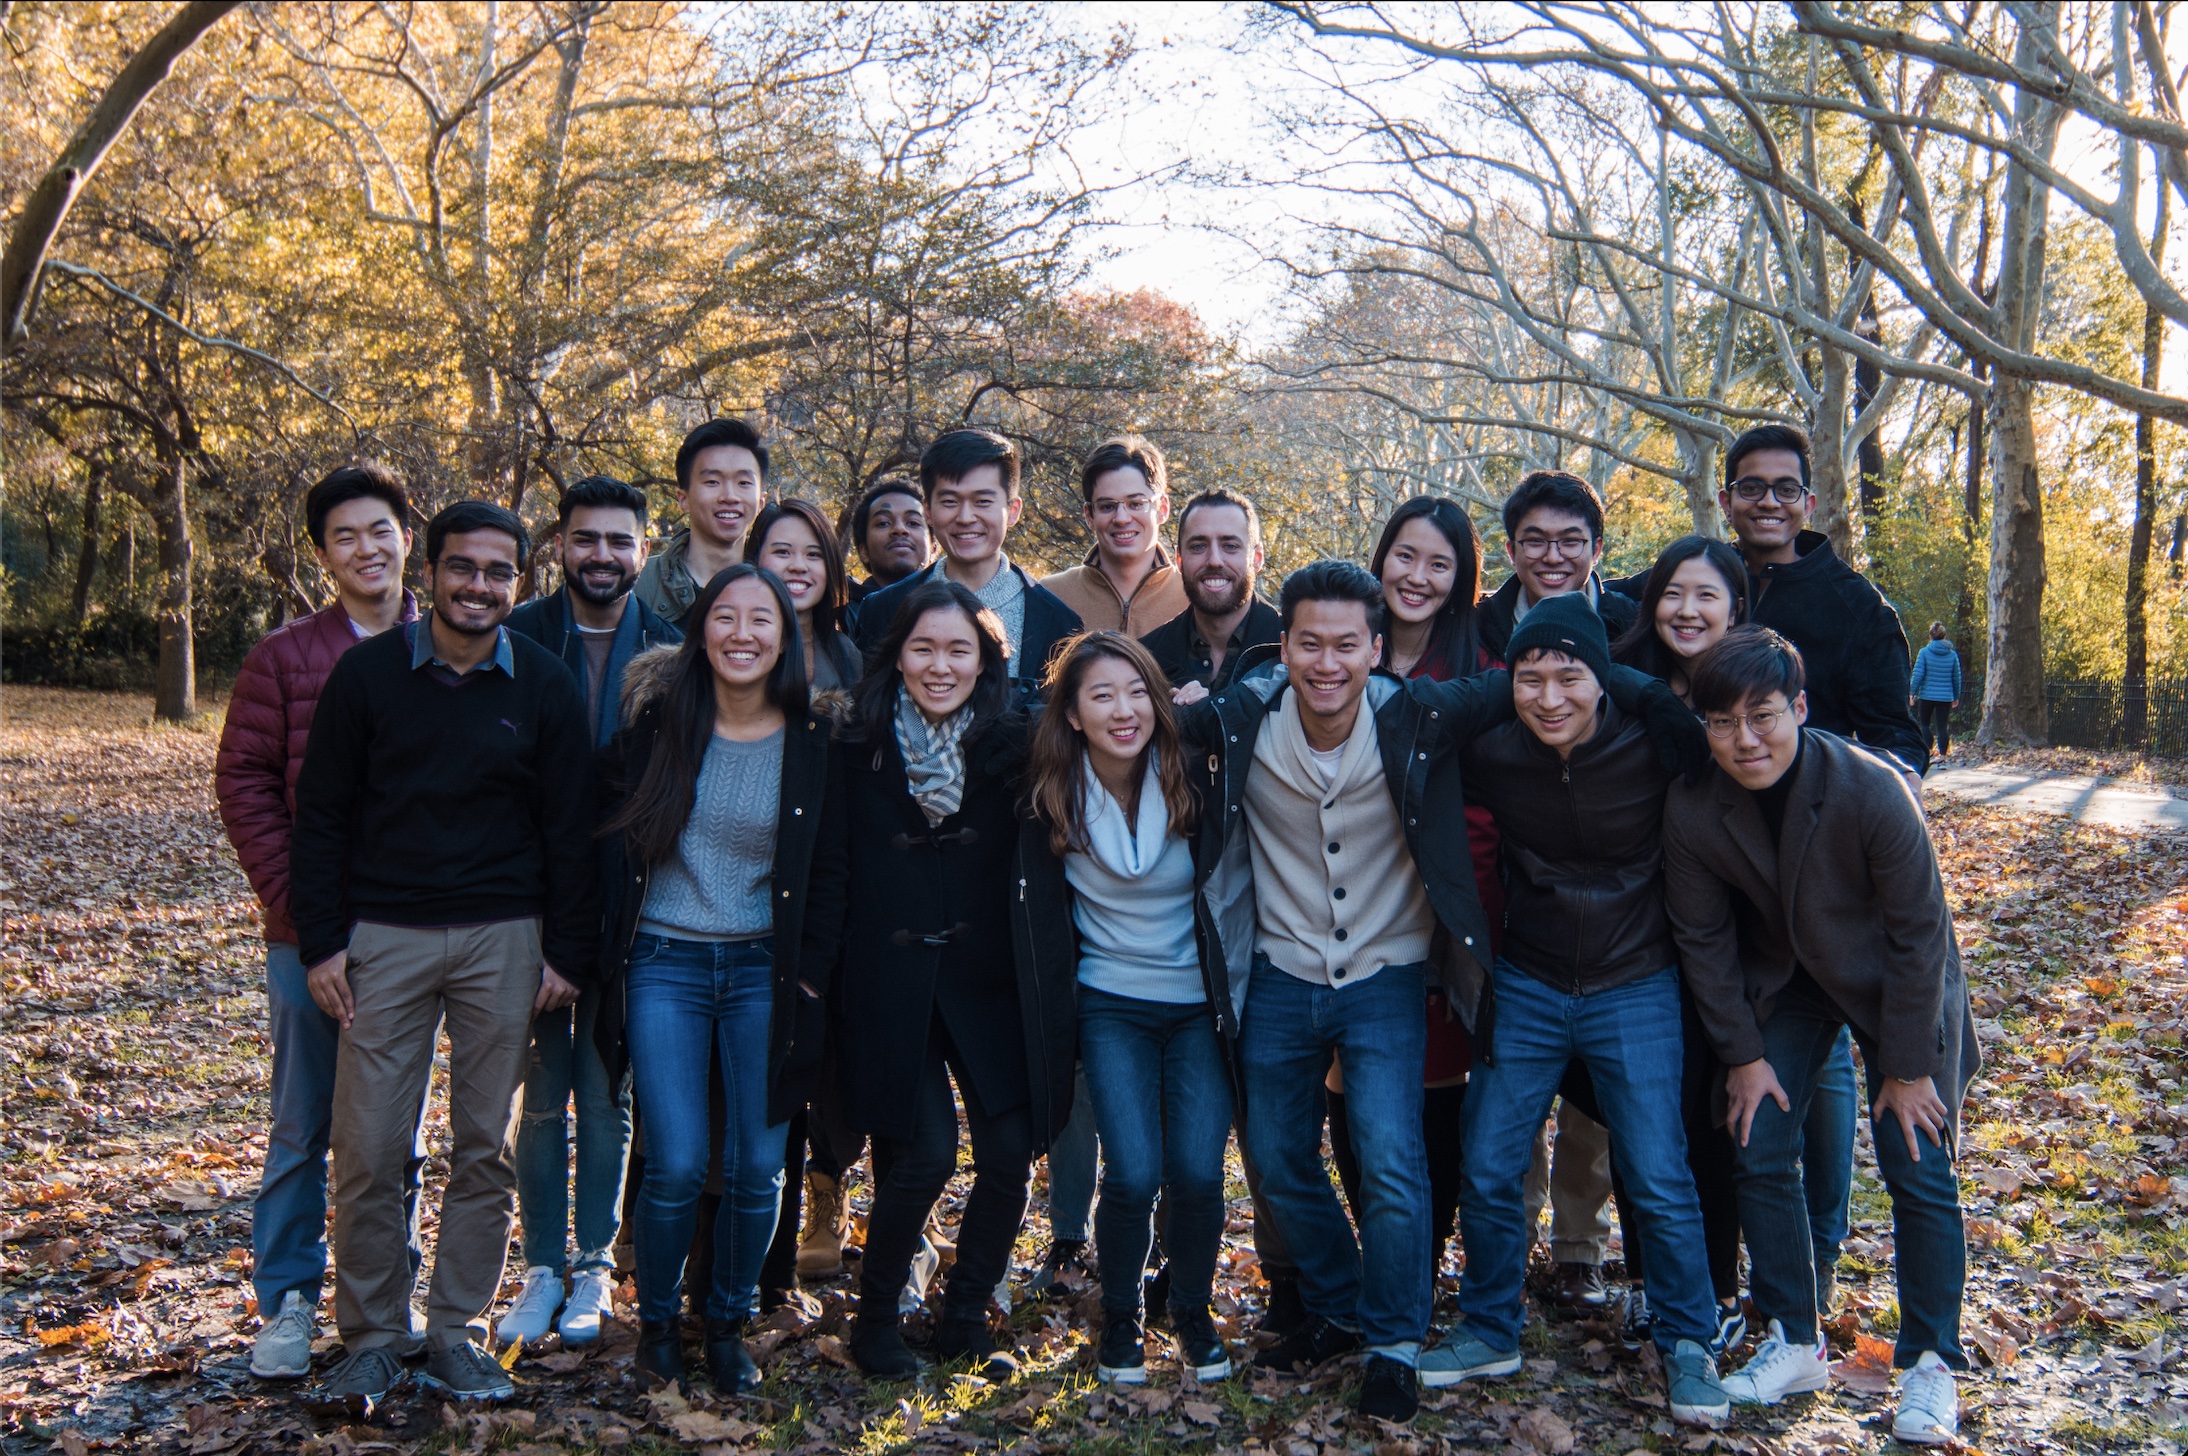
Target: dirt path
(131, 1135)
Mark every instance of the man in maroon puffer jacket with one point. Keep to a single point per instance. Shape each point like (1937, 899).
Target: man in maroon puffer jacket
(357, 519)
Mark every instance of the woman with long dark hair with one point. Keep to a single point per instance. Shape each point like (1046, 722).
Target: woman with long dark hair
(720, 941)
(792, 538)
(1696, 592)
(957, 966)
(1109, 782)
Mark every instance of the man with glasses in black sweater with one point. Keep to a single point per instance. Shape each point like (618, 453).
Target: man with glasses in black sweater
(442, 868)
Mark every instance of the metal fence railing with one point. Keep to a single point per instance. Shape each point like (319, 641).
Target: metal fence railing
(2092, 713)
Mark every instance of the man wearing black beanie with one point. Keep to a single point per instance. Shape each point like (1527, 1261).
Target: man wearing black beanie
(1588, 972)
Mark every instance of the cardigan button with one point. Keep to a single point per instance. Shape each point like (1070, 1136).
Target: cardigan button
(1339, 892)
(1343, 934)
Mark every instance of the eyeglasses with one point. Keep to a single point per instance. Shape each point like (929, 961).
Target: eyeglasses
(1785, 490)
(457, 570)
(1724, 725)
(1572, 544)
(1137, 505)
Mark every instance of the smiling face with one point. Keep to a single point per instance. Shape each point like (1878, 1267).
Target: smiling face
(474, 580)
(793, 553)
(1757, 756)
(1113, 711)
(1329, 650)
(940, 661)
(1419, 572)
(1558, 698)
(1219, 555)
(602, 548)
(744, 633)
(1767, 527)
(724, 494)
(1125, 513)
(1696, 608)
(1553, 553)
(365, 547)
(896, 537)
(970, 517)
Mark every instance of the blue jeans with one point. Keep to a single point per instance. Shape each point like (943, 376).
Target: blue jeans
(1929, 1248)
(1290, 1029)
(1071, 1160)
(1827, 1153)
(684, 1000)
(566, 1061)
(289, 1217)
(1630, 1040)
(1162, 1100)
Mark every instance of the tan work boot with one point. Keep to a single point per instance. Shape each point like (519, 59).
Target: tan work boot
(827, 1221)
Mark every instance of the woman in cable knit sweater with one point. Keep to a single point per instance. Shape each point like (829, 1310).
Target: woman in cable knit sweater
(1108, 780)
(715, 790)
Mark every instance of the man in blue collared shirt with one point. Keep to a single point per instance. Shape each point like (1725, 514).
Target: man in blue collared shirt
(442, 869)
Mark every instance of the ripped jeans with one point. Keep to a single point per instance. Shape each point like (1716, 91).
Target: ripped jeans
(565, 1061)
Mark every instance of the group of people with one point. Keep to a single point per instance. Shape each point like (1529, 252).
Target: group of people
(1117, 860)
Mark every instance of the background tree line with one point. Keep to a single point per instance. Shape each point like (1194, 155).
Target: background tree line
(500, 245)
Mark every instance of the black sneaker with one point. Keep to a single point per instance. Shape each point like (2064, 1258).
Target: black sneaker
(1122, 1359)
(1731, 1329)
(364, 1376)
(1065, 1256)
(1389, 1390)
(1200, 1349)
(1310, 1345)
(468, 1373)
(1636, 1326)
(729, 1363)
(966, 1337)
(878, 1348)
(1285, 1311)
(660, 1357)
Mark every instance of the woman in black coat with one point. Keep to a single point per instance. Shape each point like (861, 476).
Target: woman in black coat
(957, 963)
(720, 937)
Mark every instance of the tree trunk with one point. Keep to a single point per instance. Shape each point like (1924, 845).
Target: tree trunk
(2013, 683)
(1698, 478)
(1868, 379)
(22, 263)
(2135, 681)
(87, 546)
(1827, 458)
(175, 695)
(1971, 524)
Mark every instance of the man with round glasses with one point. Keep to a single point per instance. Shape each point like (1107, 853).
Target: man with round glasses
(1848, 634)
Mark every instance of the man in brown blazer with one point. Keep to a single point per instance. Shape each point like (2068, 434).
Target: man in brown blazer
(1804, 896)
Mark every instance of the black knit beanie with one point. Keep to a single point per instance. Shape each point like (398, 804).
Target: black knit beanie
(1564, 624)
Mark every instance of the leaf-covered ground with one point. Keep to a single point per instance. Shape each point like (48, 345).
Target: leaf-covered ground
(132, 1057)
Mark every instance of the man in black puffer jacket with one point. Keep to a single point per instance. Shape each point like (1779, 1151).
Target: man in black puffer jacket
(1587, 972)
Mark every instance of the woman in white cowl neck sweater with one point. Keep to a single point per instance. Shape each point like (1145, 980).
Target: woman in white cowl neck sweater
(1108, 778)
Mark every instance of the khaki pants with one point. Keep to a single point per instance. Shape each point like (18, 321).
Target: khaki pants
(482, 979)
(1577, 1186)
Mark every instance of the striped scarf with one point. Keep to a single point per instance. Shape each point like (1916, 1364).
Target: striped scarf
(934, 756)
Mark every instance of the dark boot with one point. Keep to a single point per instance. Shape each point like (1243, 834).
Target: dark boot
(660, 1357)
(1285, 1310)
(877, 1345)
(966, 1337)
(729, 1364)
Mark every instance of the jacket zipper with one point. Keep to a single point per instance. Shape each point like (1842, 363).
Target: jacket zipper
(1580, 915)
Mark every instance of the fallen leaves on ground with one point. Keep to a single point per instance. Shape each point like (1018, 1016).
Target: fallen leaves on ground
(132, 1043)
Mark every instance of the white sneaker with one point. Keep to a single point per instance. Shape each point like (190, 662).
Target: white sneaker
(1929, 1407)
(1780, 1368)
(282, 1350)
(592, 1299)
(533, 1314)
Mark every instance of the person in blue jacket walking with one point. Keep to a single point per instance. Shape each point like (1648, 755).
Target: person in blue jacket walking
(1933, 689)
